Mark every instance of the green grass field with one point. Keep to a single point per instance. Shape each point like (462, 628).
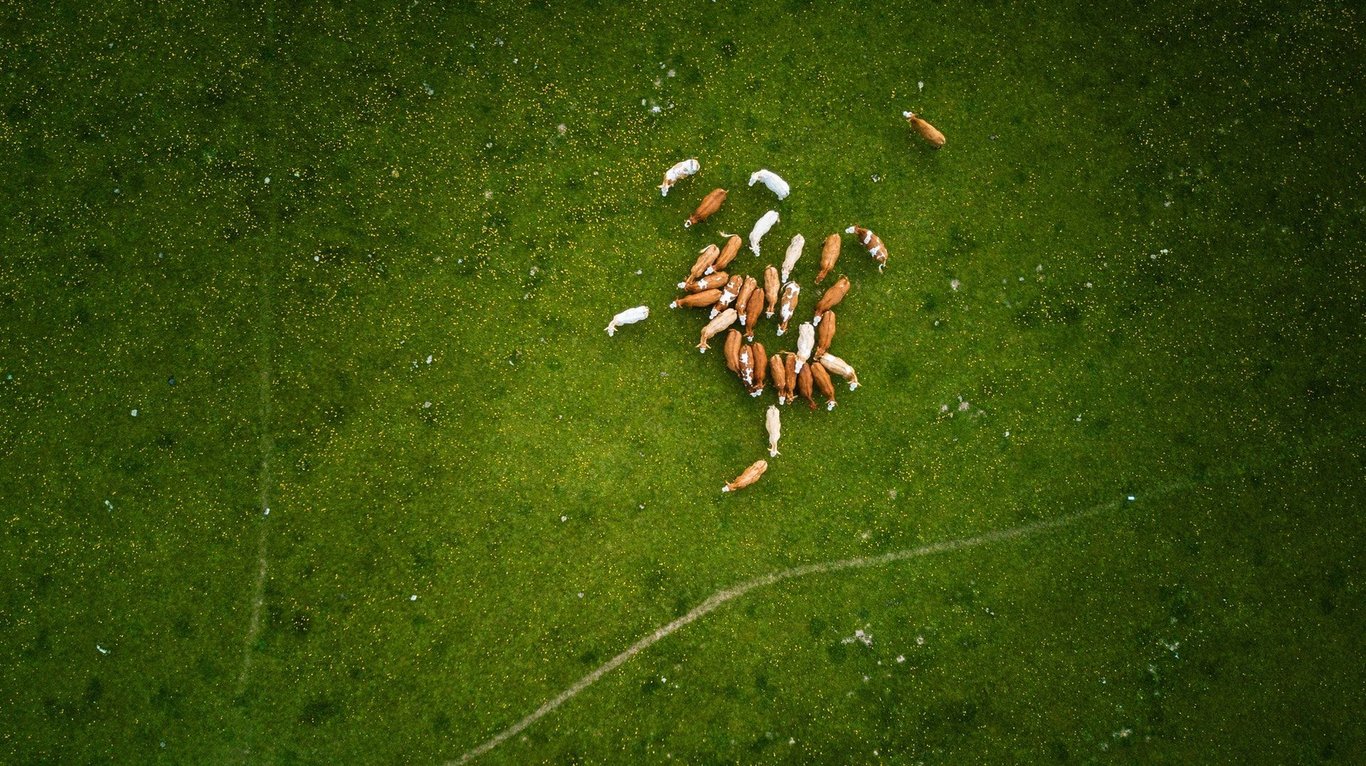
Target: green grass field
(232, 238)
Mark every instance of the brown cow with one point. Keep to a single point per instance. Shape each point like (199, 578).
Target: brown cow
(747, 478)
(760, 368)
(697, 300)
(702, 266)
(709, 204)
(742, 300)
(719, 279)
(745, 366)
(824, 385)
(728, 252)
(824, 334)
(725, 320)
(753, 309)
(804, 385)
(871, 241)
(831, 298)
(728, 294)
(927, 131)
(790, 374)
(771, 285)
(732, 351)
(777, 370)
(830, 253)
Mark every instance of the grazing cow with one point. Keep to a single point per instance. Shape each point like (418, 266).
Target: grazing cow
(697, 300)
(804, 385)
(871, 241)
(772, 180)
(775, 429)
(629, 316)
(824, 385)
(794, 251)
(777, 370)
(790, 375)
(709, 204)
(840, 367)
(831, 298)
(927, 131)
(752, 309)
(708, 282)
(728, 294)
(761, 228)
(677, 173)
(725, 320)
(806, 341)
(728, 253)
(756, 387)
(830, 252)
(742, 299)
(702, 266)
(789, 307)
(747, 478)
(771, 285)
(732, 351)
(824, 334)
(745, 362)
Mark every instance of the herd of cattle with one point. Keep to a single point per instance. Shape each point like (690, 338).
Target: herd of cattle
(737, 299)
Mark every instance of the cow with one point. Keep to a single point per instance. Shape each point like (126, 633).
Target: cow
(777, 370)
(791, 291)
(702, 266)
(806, 341)
(725, 320)
(830, 253)
(871, 241)
(744, 365)
(697, 300)
(761, 228)
(790, 375)
(747, 478)
(709, 204)
(831, 298)
(732, 351)
(824, 385)
(824, 334)
(840, 367)
(708, 282)
(927, 131)
(728, 294)
(771, 286)
(756, 387)
(772, 180)
(728, 253)
(752, 309)
(774, 424)
(804, 385)
(742, 299)
(794, 251)
(677, 173)
(629, 316)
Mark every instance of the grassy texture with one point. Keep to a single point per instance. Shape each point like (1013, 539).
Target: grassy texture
(1154, 215)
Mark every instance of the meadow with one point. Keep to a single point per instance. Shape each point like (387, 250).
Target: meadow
(313, 448)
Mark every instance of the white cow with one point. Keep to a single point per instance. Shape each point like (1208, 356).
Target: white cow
(677, 173)
(761, 228)
(806, 341)
(772, 180)
(629, 316)
(775, 429)
(794, 251)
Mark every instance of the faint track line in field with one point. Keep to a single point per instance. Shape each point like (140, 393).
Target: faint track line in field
(720, 597)
(258, 593)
